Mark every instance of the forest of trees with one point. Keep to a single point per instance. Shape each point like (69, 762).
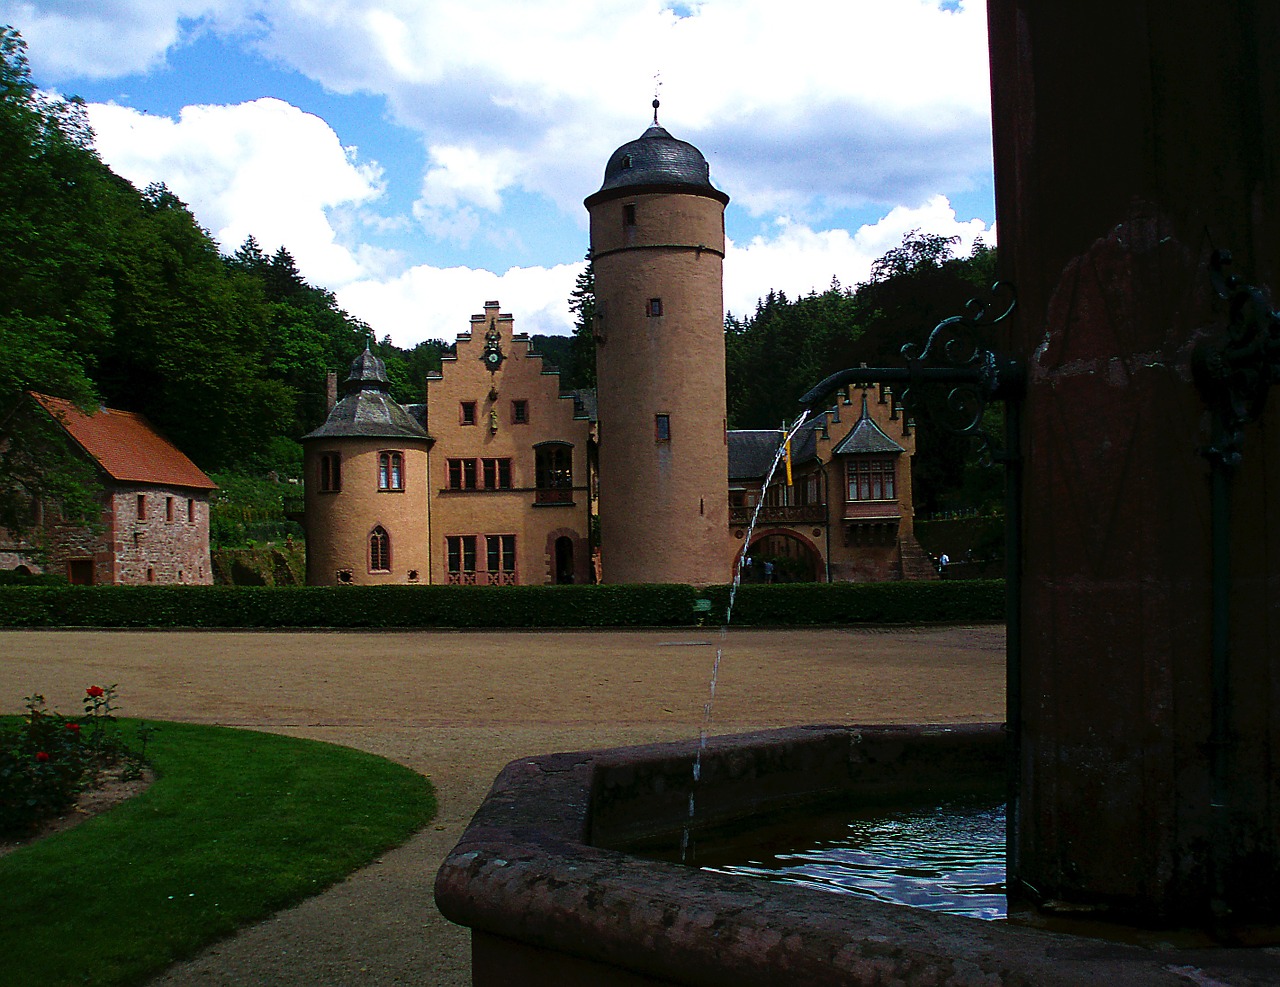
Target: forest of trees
(111, 295)
(114, 295)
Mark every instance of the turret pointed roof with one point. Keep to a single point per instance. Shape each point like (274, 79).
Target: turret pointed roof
(367, 409)
(866, 436)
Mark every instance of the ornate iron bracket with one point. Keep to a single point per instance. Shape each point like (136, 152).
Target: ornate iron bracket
(954, 355)
(1235, 371)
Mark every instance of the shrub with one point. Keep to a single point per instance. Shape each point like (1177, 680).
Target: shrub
(49, 759)
(783, 605)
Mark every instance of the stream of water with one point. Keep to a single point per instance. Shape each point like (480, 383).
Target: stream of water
(724, 629)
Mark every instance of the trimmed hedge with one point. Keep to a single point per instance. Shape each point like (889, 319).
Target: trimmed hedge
(494, 606)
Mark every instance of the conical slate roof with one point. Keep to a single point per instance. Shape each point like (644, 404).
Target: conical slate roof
(367, 409)
(656, 160)
(866, 436)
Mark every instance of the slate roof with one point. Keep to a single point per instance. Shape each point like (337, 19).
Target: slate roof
(865, 436)
(366, 409)
(584, 403)
(126, 446)
(751, 451)
(656, 158)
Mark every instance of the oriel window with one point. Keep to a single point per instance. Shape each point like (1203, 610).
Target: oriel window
(872, 479)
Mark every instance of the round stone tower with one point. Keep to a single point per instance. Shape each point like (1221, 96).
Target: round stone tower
(366, 487)
(657, 246)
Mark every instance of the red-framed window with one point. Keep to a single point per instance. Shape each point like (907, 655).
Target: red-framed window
(390, 471)
(379, 550)
(872, 478)
(330, 472)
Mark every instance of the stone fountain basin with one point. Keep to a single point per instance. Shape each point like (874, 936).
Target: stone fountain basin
(543, 876)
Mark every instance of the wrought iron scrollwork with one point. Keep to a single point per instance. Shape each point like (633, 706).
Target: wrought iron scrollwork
(1235, 371)
(980, 375)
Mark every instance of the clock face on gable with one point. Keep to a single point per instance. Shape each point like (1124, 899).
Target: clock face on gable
(492, 356)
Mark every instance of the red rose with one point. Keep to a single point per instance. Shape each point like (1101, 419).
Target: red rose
(94, 691)
(41, 756)
(73, 727)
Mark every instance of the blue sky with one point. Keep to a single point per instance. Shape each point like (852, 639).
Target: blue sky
(418, 157)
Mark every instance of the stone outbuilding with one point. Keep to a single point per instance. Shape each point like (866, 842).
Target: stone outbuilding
(155, 505)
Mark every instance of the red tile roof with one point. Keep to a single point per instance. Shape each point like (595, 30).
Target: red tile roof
(126, 445)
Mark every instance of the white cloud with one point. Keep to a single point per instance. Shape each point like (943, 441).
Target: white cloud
(262, 168)
(108, 38)
(797, 259)
(437, 303)
(812, 105)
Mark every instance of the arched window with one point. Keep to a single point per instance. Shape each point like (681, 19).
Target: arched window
(379, 550)
(390, 471)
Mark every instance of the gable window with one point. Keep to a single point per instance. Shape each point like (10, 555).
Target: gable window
(653, 308)
(497, 474)
(462, 474)
(460, 551)
(379, 550)
(467, 413)
(662, 428)
(330, 472)
(872, 478)
(519, 412)
(390, 471)
(553, 473)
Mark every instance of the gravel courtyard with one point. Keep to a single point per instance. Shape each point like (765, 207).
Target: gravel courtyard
(457, 706)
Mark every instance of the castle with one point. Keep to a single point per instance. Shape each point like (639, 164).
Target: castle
(499, 478)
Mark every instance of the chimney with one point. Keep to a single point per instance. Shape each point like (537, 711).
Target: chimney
(330, 391)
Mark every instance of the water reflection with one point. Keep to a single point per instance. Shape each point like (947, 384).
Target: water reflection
(949, 857)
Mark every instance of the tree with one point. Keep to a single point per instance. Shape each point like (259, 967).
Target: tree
(53, 296)
(580, 369)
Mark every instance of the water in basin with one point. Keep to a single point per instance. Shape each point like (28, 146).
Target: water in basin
(947, 857)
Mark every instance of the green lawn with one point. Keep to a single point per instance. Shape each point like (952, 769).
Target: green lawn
(237, 825)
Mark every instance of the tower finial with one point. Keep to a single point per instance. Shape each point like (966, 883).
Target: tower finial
(655, 111)
(657, 88)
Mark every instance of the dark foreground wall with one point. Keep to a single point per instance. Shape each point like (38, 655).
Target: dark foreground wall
(1131, 140)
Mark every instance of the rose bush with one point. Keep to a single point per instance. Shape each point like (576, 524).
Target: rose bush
(48, 759)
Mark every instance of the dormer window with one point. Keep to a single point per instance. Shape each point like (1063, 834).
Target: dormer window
(626, 161)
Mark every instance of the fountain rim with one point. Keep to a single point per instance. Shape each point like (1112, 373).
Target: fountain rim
(526, 873)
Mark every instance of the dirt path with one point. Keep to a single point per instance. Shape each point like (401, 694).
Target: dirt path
(458, 706)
